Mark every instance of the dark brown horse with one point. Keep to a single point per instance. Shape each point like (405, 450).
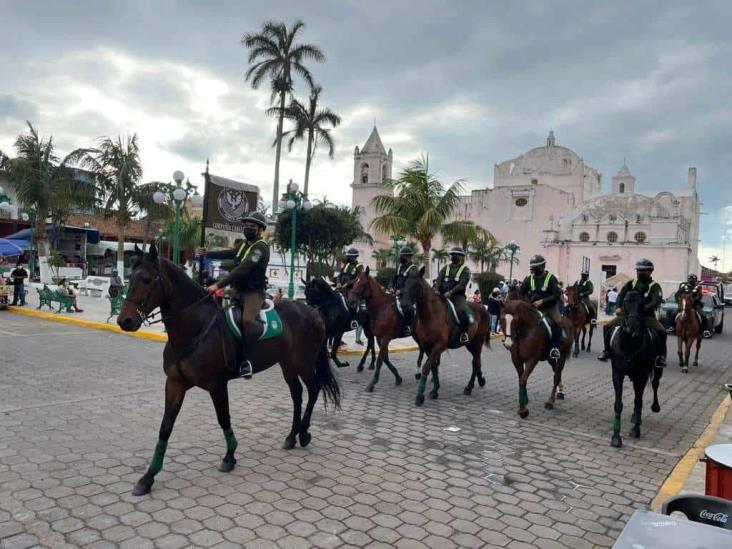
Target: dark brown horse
(529, 345)
(580, 317)
(688, 330)
(435, 332)
(201, 352)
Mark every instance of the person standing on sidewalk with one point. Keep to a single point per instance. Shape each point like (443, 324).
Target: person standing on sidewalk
(19, 274)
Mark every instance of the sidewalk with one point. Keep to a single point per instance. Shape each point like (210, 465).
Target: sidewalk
(96, 311)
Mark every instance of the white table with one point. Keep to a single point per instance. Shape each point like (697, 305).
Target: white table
(648, 530)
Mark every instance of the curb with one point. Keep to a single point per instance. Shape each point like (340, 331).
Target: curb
(55, 317)
(675, 481)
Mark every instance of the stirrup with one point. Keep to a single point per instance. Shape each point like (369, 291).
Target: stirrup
(707, 334)
(354, 324)
(554, 353)
(593, 322)
(464, 337)
(245, 369)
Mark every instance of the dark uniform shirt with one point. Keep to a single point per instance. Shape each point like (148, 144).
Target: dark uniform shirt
(401, 274)
(651, 292)
(250, 273)
(19, 274)
(453, 279)
(545, 287)
(584, 288)
(349, 273)
(695, 291)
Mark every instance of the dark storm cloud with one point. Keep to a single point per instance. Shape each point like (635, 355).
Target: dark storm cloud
(472, 83)
(16, 109)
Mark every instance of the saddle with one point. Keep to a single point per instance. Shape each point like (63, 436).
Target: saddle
(268, 318)
(406, 330)
(553, 331)
(453, 315)
(342, 299)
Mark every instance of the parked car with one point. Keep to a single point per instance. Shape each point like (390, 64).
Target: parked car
(728, 298)
(713, 314)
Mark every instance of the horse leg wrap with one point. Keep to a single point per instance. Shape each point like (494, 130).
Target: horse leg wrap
(392, 369)
(422, 384)
(616, 424)
(635, 419)
(523, 396)
(435, 383)
(231, 442)
(157, 461)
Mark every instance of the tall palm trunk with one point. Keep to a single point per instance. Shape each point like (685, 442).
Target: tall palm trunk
(121, 249)
(280, 122)
(427, 247)
(42, 248)
(308, 159)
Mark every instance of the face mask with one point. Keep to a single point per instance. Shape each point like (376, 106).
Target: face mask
(455, 259)
(250, 233)
(644, 276)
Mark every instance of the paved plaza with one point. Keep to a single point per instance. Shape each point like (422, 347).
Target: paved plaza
(80, 411)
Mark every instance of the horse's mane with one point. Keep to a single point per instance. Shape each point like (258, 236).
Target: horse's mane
(179, 278)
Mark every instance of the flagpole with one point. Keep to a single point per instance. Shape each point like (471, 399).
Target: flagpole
(201, 259)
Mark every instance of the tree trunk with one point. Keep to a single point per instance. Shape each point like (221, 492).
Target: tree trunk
(308, 158)
(42, 246)
(121, 250)
(426, 248)
(278, 150)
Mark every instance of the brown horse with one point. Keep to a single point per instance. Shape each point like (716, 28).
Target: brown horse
(529, 344)
(436, 332)
(201, 352)
(580, 317)
(688, 330)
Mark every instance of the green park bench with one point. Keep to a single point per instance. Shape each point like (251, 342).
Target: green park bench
(115, 303)
(46, 296)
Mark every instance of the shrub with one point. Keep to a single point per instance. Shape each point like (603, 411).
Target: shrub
(486, 282)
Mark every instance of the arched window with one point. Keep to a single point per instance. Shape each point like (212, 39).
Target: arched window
(584, 236)
(621, 187)
(384, 173)
(640, 237)
(612, 236)
(364, 173)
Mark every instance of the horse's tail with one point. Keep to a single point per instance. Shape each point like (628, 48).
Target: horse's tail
(325, 379)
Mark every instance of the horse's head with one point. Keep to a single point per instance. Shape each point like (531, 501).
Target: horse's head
(686, 304)
(316, 290)
(572, 297)
(146, 290)
(414, 288)
(633, 312)
(360, 288)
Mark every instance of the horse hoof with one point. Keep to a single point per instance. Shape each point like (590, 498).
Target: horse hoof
(481, 381)
(616, 441)
(419, 400)
(372, 366)
(635, 432)
(696, 365)
(359, 368)
(417, 375)
(560, 396)
(524, 414)
(575, 354)
(370, 388)
(548, 406)
(141, 489)
(655, 408)
(289, 442)
(305, 439)
(467, 390)
(342, 364)
(433, 395)
(684, 370)
(227, 466)
(398, 381)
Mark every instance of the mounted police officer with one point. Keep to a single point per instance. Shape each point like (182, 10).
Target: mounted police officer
(350, 269)
(542, 290)
(248, 279)
(398, 281)
(585, 289)
(452, 282)
(692, 287)
(651, 291)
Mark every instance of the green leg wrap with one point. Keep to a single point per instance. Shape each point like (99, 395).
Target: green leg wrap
(421, 385)
(616, 424)
(435, 383)
(392, 369)
(375, 379)
(231, 442)
(523, 396)
(157, 461)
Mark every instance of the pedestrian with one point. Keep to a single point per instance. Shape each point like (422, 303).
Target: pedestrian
(612, 298)
(70, 291)
(115, 284)
(494, 309)
(18, 276)
(476, 297)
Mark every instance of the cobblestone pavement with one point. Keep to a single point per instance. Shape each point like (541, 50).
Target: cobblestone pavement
(80, 411)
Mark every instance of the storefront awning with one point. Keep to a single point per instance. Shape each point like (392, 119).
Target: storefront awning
(92, 235)
(11, 247)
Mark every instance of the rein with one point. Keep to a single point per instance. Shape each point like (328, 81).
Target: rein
(156, 316)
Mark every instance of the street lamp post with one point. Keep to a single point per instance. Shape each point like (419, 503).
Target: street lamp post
(176, 194)
(514, 248)
(398, 240)
(292, 200)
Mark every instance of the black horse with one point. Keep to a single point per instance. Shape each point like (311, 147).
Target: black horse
(202, 352)
(339, 318)
(633, 352)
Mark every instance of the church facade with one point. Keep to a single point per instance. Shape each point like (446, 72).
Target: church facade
(550, 202)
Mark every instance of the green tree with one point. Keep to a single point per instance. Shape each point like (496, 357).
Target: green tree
(464, 233)
(417, 206)
(190, 234)
(275, 55)
(47, 184)
(117, 168)
(310, 121)
(383, 257)
(441, 256)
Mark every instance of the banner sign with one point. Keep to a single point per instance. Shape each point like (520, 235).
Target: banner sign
(227, 202)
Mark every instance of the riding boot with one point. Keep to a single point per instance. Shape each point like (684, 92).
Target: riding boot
(661, 358)
(245, 366)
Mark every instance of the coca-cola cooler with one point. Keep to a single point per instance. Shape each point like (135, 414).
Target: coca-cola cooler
(719, 471)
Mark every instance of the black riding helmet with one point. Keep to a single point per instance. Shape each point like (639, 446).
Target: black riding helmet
(406, 252)
(257, 218)
(692, 279)
(352, 252)
(537, 263)
(644, 266)
(457, 251)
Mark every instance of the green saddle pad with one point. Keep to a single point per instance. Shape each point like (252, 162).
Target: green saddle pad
(268, 317)
(454, 315)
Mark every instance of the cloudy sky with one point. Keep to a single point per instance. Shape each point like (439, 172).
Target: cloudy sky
(471, 83)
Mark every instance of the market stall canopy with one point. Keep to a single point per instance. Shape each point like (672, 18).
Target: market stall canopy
(92, 235)
(10, 247)
(618, 280)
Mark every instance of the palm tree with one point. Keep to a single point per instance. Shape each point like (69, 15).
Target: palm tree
(464, 233)
(383, 257)
(46, 184)
(417, 206)
(154, 213)
(714, 259)
(116, 166)
(311, 121)
(190, 234)
(441, 256)
(274, 54)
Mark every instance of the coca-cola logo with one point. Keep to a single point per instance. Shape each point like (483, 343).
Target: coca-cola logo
(716, 517)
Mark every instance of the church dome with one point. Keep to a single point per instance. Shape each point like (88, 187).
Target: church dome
(624, 206)
(551, 158)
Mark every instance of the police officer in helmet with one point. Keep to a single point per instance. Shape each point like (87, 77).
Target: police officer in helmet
(452, 282)
(350, 269)
(542, 290)
(398, 282)
(585, 288)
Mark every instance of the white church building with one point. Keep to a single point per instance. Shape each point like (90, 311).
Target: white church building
(550, 202)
